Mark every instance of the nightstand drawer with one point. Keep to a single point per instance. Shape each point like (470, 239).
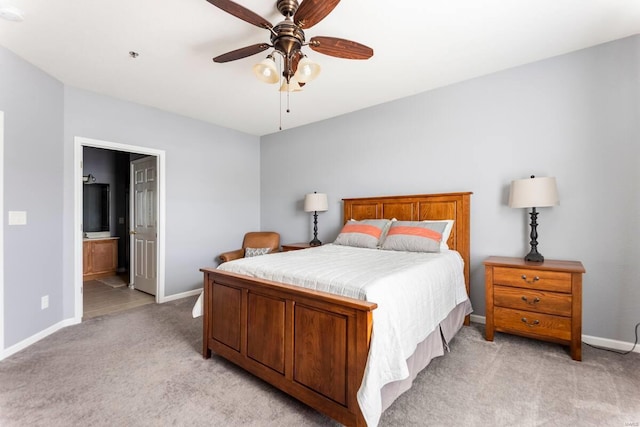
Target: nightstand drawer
(558, 281)
(531, 300)
(532, 324)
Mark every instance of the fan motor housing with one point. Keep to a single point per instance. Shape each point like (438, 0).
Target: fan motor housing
(287, 7)
(287, 37)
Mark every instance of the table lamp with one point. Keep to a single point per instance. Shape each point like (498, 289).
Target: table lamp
(315, 202)
(533, 193)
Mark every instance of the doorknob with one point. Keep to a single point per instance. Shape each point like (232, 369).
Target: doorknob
(132, 232)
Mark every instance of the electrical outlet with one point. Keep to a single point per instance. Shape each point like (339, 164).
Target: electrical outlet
(44, 302)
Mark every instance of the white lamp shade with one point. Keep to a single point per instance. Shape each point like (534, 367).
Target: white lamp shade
(315, 202)
(307, 70)
(533, 193)
(266, 71)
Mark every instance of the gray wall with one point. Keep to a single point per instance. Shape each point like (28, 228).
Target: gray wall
(575, 117)
(212, 189)
(212, 180)
(33, 163)
(101, 164)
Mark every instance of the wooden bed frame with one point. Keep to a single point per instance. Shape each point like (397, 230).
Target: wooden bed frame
(314, 345)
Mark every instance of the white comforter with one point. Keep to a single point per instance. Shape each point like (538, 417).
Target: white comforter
(414, 293)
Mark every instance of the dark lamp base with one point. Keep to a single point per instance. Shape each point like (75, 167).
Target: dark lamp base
(315, 242)
(534, 257)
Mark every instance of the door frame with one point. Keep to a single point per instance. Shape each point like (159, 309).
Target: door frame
(1, 234)
(79, 144)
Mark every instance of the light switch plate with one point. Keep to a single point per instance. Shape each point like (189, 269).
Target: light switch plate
(17, 218)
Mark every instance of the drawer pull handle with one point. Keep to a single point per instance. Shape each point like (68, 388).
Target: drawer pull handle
(535, 279)
(535, 300)
(532, 324)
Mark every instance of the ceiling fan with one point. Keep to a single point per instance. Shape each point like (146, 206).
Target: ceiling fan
(288, 38)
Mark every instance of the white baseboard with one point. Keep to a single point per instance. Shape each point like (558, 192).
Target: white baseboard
(478, 319)
(37, 337)
(181, 295)
(595, 341)
(611, 344)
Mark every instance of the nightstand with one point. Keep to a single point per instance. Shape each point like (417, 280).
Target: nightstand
(295, 246)
(535, 300)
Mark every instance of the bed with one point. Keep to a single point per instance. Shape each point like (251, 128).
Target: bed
(316, 345)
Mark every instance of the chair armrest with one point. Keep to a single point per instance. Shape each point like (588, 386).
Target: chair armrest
(230, 256)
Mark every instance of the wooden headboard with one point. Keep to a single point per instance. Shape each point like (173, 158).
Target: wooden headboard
(456, 206)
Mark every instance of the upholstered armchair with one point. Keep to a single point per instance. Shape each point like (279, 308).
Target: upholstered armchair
(254, 240)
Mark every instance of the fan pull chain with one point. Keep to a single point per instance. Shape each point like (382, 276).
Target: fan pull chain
(280, 107)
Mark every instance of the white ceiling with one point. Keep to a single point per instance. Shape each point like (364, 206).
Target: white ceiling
(418, 45)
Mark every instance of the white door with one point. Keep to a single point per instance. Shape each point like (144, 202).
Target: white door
(145, 228)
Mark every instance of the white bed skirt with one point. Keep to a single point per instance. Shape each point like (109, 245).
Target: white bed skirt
(433, 346)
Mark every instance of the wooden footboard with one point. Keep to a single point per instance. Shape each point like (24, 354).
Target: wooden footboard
(311, 345)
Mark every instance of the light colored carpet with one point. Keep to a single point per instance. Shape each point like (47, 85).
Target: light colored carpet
(143, 367)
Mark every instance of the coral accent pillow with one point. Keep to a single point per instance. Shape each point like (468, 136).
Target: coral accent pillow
(414, 236)
(363, 234)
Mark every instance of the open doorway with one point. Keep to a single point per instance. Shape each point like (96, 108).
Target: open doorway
(105, 257)
(109, 282)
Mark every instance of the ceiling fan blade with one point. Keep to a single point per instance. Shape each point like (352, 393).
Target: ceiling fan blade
(241, 12)
(311, 12)
(340, 48)
(241, 53)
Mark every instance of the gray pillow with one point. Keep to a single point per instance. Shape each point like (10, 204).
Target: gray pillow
(414, 236)
(363, 234)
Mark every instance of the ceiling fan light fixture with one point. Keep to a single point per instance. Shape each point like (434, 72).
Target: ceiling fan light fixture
(287, 39)
(266, 71)
(292, 86)
(307, 70)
